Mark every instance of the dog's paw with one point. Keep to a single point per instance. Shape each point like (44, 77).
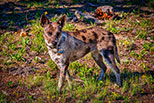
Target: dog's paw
(118, 84)
(59, 90)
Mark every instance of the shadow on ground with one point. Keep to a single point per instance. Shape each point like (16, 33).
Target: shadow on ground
(16, 15)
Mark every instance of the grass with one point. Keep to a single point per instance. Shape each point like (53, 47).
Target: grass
(2, 98)
(135, 67)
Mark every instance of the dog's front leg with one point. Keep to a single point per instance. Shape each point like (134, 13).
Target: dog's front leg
(68, 78)
(63, 70)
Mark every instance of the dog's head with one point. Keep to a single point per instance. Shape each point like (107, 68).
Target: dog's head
(52, 30)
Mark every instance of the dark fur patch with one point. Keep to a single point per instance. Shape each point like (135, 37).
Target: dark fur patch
(103, 33)
(51, 28)
(74, 56)
(58, 35)
(90, 40)
(50, 33)
(109, 33)
(76, 44)
(111, 49)
(87, 50)
(84, 30)
(57, 60)
(114, 40)
(76, 33)
(102, 38)
(106, 55)
(95, 35)
(83, 37)
(63, 61)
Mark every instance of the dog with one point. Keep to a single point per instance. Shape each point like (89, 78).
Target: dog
(66, 47)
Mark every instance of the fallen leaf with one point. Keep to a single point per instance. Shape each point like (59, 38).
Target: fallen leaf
(23, 33)
(143, 76)
(45, 12)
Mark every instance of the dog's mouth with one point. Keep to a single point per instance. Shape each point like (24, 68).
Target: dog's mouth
(50, 44)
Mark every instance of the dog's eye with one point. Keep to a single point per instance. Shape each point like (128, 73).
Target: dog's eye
(50, 33)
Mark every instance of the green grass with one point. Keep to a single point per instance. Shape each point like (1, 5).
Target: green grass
(69, 27)
(2, 98)
(96, 91)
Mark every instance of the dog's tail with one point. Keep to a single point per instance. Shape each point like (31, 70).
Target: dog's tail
(116, 54)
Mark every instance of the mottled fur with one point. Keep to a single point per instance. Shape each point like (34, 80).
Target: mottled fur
(74, 45)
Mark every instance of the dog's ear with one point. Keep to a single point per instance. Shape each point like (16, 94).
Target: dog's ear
(61, 21)
(44, 20)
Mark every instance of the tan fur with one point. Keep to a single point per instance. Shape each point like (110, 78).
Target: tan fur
(96, 35)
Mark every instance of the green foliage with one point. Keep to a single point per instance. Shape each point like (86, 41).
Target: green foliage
(149, 46)
(142, 34)
(102, 94)
(53, 19)
(36, 59)
(51, 64)
(150, 80)
(140, 55)
(2, 98)
(38, 43)
(19, 55)
(10, 83)
(69, 27)
(48, 75)
(25, 41)
(125, 86)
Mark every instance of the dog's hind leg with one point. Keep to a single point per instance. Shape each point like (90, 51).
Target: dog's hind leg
(99, 60)
(110, 59)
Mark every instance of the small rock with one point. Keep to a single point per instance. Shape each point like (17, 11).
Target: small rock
(17, 8)
(148, 38)
(106, 8)
(134, 31)
(5, 93)
(87, 18)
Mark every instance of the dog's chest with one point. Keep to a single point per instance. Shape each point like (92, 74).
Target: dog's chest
(56, 57)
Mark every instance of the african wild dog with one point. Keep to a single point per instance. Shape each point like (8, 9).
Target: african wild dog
(74, 45)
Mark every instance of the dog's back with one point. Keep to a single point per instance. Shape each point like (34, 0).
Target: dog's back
(87, 40)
